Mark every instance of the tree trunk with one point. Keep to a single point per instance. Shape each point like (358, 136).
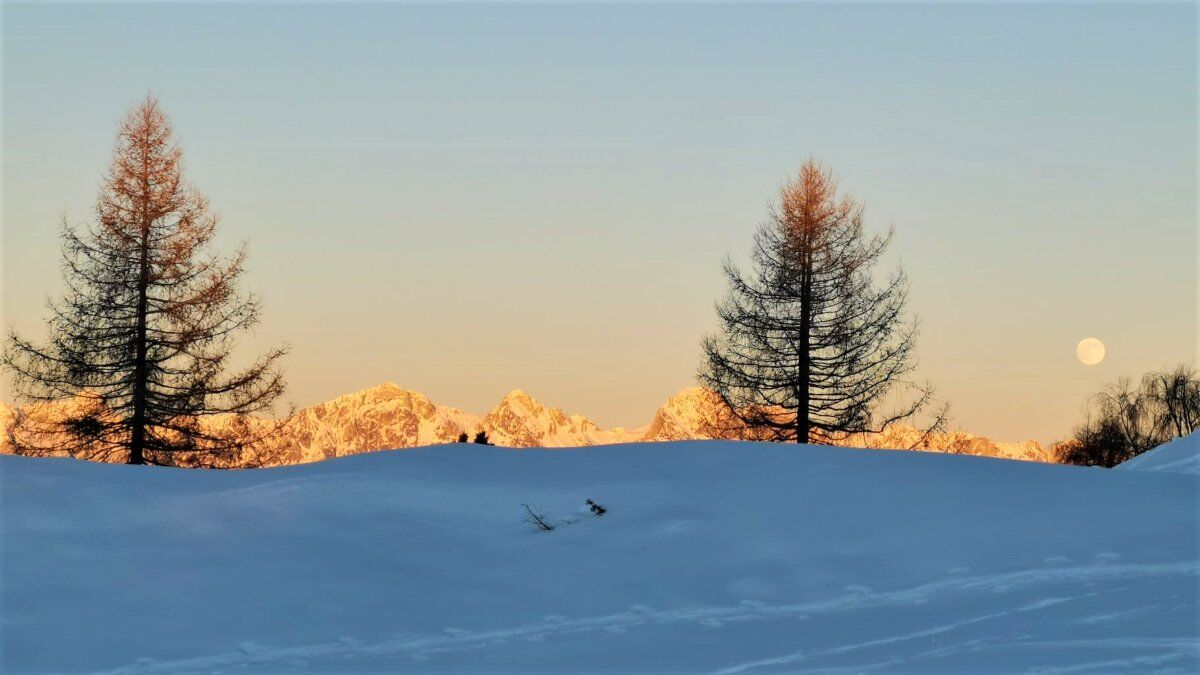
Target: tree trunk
(137, 441)
(804, 366)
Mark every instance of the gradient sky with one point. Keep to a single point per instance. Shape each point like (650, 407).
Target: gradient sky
(468, 199)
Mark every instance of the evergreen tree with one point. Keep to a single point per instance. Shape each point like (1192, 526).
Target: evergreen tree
(144, 333)
(810, 345)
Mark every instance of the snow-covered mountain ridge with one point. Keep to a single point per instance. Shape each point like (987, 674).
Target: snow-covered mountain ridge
(389, 416)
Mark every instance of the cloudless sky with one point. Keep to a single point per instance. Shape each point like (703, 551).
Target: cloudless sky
(465, 199)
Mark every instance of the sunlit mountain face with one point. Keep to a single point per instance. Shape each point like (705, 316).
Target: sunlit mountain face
(388, 416)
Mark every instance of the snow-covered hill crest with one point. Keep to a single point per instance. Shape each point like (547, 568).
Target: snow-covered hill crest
(712, 557)
(1181, 455)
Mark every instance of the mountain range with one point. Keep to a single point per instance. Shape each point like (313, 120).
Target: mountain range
(388, 416)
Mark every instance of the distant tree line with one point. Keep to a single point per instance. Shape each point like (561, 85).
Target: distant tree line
(1126, 419)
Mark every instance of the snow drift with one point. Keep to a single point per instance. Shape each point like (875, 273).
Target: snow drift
(713, 556)
(1181, 455)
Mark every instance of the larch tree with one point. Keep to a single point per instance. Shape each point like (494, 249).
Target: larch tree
(140, 343)
(811, 345)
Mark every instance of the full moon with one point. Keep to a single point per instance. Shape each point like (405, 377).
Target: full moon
(1090, 351)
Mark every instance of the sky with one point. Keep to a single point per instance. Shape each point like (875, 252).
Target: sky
(467, 199)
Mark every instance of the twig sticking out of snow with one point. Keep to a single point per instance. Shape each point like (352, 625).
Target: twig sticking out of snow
(536, 519)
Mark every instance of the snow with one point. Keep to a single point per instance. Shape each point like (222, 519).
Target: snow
(713, 556)
(1181, 455)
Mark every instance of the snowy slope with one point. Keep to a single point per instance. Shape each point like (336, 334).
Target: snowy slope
(1181, 455)
(713, 556)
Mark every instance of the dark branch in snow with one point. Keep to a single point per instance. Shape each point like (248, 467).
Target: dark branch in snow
(536, 519)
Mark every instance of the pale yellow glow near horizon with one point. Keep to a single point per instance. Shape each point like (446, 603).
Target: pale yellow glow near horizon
(1090, 351)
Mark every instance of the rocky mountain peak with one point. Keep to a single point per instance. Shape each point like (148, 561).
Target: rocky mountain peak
(389, 416)
(521, 403)
(694, 412)
(522, 421)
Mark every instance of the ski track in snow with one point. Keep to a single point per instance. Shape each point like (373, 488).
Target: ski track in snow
(1167, 652)
(1174, 650)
